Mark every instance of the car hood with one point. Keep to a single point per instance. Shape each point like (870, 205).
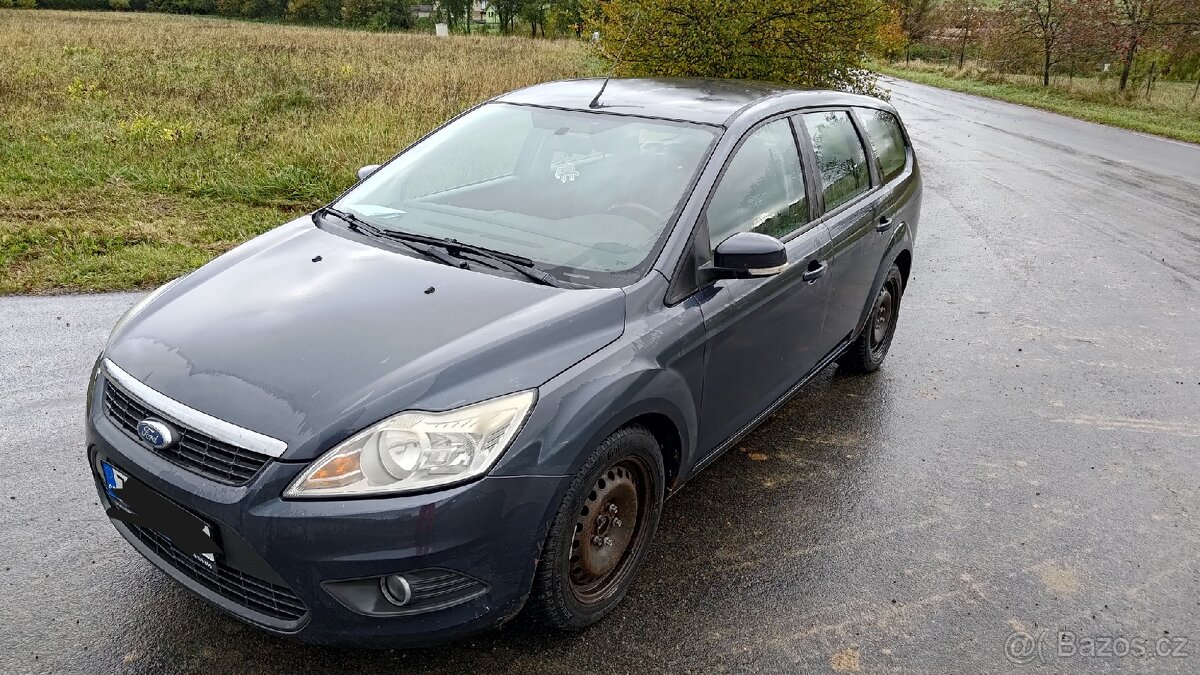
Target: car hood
(308, 337)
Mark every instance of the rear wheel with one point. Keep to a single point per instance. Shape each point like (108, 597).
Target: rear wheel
(601, 532)
(872, 344)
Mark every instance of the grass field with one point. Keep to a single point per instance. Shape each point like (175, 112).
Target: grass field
(135, 147)
(1169, 111)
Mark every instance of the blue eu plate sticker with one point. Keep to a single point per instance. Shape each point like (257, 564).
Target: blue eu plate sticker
(113, 480)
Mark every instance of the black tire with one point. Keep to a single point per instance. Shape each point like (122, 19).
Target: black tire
(569, 593)
(871, 346)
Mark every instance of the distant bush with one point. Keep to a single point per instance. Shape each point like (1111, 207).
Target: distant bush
(6, 4)
(119, 5)
(805, 42)
(182, 6)
(263, 9)
(26, 4)
(425, 24)
(73, 4)
(314, 11)
(378, 14)
(251, 9)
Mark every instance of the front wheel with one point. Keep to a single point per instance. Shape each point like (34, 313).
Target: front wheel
(601, 532)
(873, 342)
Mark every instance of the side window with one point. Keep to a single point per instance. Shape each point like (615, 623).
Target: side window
(762, 189)
(883, 130)
(840, 156)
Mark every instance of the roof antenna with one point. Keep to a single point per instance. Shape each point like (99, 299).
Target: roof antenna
(596, 101)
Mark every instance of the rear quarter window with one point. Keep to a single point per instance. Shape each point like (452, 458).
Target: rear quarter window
(883, 130)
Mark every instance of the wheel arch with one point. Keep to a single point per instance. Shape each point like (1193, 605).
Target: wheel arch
(666, 424)
(904, 262)
(670, 442)
(568, 422)
(899, 253)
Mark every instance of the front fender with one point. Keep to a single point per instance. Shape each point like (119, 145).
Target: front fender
(655, 368)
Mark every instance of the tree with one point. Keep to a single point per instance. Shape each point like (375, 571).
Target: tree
(1043, 21)
(965, 17)
(1061, 29)
(314, 11)
(891, 40)
(804, 42)
(1087, 35)
(507, 11)
(533, 12)
(378, 14)
(1143, 20)
(916, 17)
(456, 11)
(567, 15)
(252, 9)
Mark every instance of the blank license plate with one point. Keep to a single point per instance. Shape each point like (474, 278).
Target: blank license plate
(135, 503)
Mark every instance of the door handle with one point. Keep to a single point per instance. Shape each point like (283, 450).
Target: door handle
(816, 269)
(884, 223)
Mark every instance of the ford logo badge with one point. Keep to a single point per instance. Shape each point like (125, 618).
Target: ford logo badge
(156, 434)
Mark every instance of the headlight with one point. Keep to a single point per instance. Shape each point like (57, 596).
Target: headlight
(417, 450)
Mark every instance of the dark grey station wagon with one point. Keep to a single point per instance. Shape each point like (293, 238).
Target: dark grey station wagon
(467, 385)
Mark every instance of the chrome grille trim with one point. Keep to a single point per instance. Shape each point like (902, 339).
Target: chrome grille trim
(202, 422)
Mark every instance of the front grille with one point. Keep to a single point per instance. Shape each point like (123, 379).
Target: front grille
(251, 592)
(195, 451)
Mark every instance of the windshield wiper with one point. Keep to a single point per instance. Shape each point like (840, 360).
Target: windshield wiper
(433, 247)
(497, 259)
(363, 227)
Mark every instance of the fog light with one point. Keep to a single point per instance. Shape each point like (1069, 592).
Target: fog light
(396, 589)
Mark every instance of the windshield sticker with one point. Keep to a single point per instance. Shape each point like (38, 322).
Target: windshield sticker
(566, 172)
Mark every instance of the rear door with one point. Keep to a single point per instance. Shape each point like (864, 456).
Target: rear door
(764, 334)
(838, 158)
(897, 200)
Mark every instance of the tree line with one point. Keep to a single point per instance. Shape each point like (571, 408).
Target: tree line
(815, 43)
(1129, 40)
(804, 42)
(559, 16)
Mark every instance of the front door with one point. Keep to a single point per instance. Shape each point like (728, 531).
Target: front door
(764, 334)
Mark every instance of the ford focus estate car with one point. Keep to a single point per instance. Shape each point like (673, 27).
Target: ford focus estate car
(466, 386)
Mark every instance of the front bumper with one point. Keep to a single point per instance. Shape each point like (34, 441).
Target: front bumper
(490, 530)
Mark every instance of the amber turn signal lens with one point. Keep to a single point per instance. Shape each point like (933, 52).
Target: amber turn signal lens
(341, 470)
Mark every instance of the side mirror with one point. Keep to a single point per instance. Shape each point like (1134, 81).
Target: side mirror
(747, 254)
(368, 170)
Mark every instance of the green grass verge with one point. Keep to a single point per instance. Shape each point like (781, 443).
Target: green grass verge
(1179, 123)
(136, 147)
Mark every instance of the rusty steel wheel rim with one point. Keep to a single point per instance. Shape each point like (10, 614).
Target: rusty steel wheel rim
(608, 530)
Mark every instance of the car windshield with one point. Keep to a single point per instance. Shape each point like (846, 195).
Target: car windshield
(586, 196)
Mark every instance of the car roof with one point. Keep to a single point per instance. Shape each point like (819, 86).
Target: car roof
(701, 100)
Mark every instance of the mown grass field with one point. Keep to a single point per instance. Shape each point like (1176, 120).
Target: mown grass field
(135, 147)
(1170, 110)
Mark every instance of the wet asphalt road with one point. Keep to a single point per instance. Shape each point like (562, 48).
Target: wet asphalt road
(1028, 459)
